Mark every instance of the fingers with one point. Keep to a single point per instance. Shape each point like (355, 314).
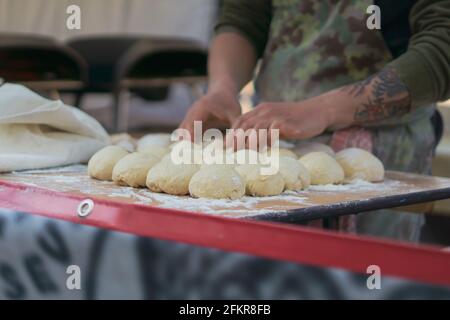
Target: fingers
(214, 111)
(293, 120)
(230, 141)
(259, 138)
(275, 125)
(262, 111)
(237, 123)
(248, 130)
(194, 114)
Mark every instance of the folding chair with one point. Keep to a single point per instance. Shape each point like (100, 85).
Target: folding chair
(41, 64)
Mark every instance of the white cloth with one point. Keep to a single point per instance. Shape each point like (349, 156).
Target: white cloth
(39, 133)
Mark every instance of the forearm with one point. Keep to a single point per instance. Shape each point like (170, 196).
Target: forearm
(380, 97)
(232, 60)
(417, 78)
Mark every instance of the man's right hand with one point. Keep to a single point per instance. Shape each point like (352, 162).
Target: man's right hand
(231, 63)
(215, 110)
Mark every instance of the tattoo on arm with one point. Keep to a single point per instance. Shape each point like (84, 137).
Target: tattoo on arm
(384, 96)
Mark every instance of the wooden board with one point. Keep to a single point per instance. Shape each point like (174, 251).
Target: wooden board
(398, 189)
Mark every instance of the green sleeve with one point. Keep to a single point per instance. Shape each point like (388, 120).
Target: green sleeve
(425, 66)
(250, 18)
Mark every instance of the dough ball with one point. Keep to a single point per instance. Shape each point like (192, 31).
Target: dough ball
(156, 151)
(360, 164)
(101, 164)
(247, 156)
(304, 147)
(154, 139)
(295, 175)
(282, 152)
(257, 184)
(215, 155)
(305, 176)
(186, 149)
(285, 144)
(183, 144)
(217, 182)
(323, 168)
(132, 169)
(169, 177)
(124, 140)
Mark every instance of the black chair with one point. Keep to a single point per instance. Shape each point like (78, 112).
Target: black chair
(145, 66)
(101, 54)
(41, 63)
(152, 65)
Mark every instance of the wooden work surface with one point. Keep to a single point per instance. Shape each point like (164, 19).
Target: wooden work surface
(398, 189)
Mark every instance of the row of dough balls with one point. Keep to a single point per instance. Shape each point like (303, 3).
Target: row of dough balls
(327, 167)
(153, 167)
(159, 173)
(323, 164)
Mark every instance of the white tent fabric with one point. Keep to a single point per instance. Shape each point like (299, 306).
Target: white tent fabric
(187, 18)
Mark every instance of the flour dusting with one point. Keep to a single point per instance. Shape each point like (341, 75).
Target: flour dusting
(357, 185)
(245, 205)
(63, 169)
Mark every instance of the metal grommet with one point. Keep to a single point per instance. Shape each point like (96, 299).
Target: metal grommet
(85, 208)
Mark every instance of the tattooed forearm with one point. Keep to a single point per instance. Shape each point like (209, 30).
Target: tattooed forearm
(383, 96)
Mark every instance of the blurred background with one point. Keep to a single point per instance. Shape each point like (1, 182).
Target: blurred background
(118, 39)
(137, 66)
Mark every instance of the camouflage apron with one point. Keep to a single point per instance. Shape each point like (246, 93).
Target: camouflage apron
(317, 46)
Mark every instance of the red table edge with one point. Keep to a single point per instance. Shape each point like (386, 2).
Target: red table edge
(265, 239)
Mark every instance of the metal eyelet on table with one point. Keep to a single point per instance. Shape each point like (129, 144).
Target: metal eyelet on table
(85, 208)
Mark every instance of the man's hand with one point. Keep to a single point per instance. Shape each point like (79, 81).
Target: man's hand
(296, 120)
(215, 110)
(231, 62)
(379, 97)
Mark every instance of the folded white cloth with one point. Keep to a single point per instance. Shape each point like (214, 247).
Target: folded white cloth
(39, 133)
